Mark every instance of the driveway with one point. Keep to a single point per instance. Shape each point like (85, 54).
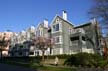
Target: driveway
(7, 67)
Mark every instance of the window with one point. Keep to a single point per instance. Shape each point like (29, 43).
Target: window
(31, 53)
(70, 30)
(53, 27)
(58, 39)
(57, 19)
(83, 38)
(20, 53)
(56, 27)
(38, 33)
(74, 38)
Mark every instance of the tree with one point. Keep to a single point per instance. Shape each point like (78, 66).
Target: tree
(3, 43)
(42, 44)
(100, 11)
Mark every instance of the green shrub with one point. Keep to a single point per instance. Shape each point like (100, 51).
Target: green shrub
(23, 59)
(63, 56)
(85, 59)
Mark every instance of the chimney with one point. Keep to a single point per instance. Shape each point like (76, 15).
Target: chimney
(64, 15)
(46, 23)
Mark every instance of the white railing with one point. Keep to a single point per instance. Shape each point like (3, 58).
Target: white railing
(78, 30)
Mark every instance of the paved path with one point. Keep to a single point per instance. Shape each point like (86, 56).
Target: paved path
(7, 67)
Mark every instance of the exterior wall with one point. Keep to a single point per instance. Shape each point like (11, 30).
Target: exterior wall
(43, 33)
(74, 47)
(30, 33)
(91, 34)
(67, 45)
(76, 42)
(57, 46)
(66, 37)
(63, 47)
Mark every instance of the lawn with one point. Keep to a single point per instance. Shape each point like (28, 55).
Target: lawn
(39, 67)
(49, 68)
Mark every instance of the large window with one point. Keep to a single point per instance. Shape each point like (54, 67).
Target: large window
(56, 27)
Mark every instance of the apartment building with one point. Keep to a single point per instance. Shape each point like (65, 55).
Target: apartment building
(70, 39)
(21, 43)
(42, 31)
(67, 38)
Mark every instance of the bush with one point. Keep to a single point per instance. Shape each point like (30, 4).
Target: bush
(63, 56)
(85, 59)
(23, 59)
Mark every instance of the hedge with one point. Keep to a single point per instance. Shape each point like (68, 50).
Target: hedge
(85, 59)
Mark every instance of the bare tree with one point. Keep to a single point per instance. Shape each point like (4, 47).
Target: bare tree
(100, 11)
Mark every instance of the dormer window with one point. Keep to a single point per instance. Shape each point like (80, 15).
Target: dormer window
(56, 27)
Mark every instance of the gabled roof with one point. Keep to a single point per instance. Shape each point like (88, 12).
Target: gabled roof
(39, 24)
(62, 19)
(42, 25)
(83, 25)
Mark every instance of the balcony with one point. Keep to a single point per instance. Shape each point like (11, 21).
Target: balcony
(77, 31)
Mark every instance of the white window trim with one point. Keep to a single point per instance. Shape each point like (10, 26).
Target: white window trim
(56, 32)
(60, 40)
(60, 24)
(60, 27)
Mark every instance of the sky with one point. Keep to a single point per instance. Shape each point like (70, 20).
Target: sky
(18, 15)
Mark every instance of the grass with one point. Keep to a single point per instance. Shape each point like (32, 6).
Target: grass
(49, 68)
(16, 63)
(39, 67)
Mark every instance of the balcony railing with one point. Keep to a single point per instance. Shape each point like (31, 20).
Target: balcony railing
(78, 30)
